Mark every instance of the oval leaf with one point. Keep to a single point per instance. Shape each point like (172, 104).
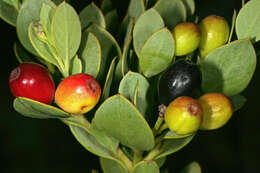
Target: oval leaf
(21, 54)
(75, 65)
(109, 166)
(91, 14)
(172, 12)
(247, 23)
(117, 110)
(34, 109)
(144, 28)
(90, 54)
(109, 47)
(109, 78)
(146, 166)
(66, 31)
(89, 142)
(136, 8)
(170, 146)
(29, 11)
(229, 68)
(106, 6)
(157, 53)
(193, 167)
(41, 47)
(127, 88)
(8, 13)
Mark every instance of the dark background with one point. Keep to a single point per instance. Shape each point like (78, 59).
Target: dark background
(32, 145)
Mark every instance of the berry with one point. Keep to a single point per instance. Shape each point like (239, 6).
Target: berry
(32, 81)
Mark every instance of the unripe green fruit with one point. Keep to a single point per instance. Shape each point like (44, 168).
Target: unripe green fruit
(183, 115)
(215, 33)
(187, 38)
(217, 110)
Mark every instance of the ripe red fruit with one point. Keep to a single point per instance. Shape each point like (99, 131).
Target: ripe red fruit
(32, 81)
(78, 94)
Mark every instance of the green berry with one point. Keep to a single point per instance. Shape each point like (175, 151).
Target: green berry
(217, 110)
(183, 115)
(215, 33)
(187, 38)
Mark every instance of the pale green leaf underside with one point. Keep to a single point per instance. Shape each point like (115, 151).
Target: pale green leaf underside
(248, 21)
(117, 110)
(229, 68)
(157, 53)
(136, 8)
(35, 109)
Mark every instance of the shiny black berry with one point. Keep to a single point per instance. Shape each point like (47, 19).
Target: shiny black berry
(182, 78)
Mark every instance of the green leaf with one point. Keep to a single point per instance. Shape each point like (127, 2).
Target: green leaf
(106, 6)
(8, 13)
(157, 53)
(130, 124)
(161, 161)
(146, 166)
(109, 79)
(144, 28)
(75, 65)
(112, 166)
(90, 54)
(172, 135)
(248, 23)
(190, 7)
(112, 21)
(30, 11)
(136, 8)
(193, 167)
(41, 47)
(107, 141)
(170, 146)
(34, 109)
(172, 12)
(46, 15)
(122, 65)
(238, 102)
(109, 48)
(21, 54)
(66, 31)
(91, 14)
(127, 88)
(89, 142)
(229, 69)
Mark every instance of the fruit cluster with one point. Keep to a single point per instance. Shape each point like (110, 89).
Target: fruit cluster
(212, 32)
(76, 94)
(185, 115)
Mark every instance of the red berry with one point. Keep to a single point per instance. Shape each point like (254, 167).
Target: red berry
(32, 81)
